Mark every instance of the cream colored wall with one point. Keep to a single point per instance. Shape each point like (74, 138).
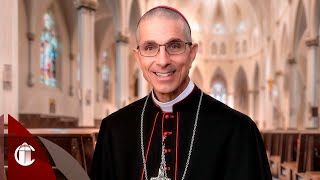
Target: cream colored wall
(9, 58)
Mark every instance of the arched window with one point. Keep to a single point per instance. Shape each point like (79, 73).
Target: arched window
(244, 46)
(237, 48)
(48, 52)
(214, 48)
(223, 49)
(242, 27)
(218, 91)
(105, 72)
(218, 29)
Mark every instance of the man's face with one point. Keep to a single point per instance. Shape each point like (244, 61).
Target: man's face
(168, 74)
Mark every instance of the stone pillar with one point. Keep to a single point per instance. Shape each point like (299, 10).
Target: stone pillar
(30, 37)
(312, 109)
(279, 103)
(293, 92)
(86, 18)
(268, 107)
(262, 116)
(122, 70)
(143, 85)
(230, 99)
(71, 93)
(256, 106)
(9, 69)
(251, 103)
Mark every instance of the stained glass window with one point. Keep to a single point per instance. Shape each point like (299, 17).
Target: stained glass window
(48, 52)
(105, 72)
(241, 27)
(218, 91)
(218, 29)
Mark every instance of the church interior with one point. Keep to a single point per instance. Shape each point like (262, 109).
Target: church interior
(67, 64)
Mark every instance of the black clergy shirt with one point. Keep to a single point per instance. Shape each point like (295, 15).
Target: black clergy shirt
(227, 145)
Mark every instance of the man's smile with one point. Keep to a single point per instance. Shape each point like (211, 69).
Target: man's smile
(164, 74)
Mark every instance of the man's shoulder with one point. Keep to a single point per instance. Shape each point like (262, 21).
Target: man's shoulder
(224, 112)
(126, 113)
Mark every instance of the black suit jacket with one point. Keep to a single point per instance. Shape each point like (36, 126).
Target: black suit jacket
(227, 146)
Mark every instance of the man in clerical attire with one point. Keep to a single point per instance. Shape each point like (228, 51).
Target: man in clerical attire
(176, 132)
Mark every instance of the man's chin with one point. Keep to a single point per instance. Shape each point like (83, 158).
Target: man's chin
(163, 90)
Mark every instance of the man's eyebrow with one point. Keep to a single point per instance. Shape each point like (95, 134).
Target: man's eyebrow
(149, 42)
(174, 40)
(169, 41)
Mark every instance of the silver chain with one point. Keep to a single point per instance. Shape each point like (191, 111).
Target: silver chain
(191, 143)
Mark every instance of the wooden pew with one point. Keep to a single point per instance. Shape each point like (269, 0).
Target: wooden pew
(267, 137)
(308, 167)
(79, 143)
(288, 154)
(274, 158)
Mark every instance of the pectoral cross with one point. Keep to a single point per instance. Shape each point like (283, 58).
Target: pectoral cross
(162, 174)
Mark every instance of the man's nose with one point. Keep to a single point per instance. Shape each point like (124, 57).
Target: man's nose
(163, 58)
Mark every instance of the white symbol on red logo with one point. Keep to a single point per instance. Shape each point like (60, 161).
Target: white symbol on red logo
(24, 151)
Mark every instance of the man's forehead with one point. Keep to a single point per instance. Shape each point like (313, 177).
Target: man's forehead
(167, 41)
(163, 29)
(164, 14)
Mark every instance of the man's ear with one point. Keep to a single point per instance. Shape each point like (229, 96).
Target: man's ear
(136, 55)
(193, 51)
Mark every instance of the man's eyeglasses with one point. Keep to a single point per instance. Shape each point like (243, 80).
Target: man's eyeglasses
(173, 48)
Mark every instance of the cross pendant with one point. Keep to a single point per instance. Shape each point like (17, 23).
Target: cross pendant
(162, 174)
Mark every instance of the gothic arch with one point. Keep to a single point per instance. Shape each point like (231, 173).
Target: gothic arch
(241, 91)
(219, 75)
(218, 86)
(314, 18)
(135, 14)
(300, 24)
(116, 9)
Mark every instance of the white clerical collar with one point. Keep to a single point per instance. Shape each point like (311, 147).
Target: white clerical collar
(168, 106)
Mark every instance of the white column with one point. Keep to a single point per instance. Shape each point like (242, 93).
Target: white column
(293, 91)
(230, 99)
(312, 117)
(86, 18)
(9, 59)
(280, 99)
(30, 80)
(268, 113)
(122, 75)
(143, 85)
(71, 56)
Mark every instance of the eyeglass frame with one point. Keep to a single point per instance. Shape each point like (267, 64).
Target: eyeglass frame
(165, 47)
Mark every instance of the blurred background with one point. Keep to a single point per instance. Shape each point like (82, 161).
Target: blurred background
(69, 63)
